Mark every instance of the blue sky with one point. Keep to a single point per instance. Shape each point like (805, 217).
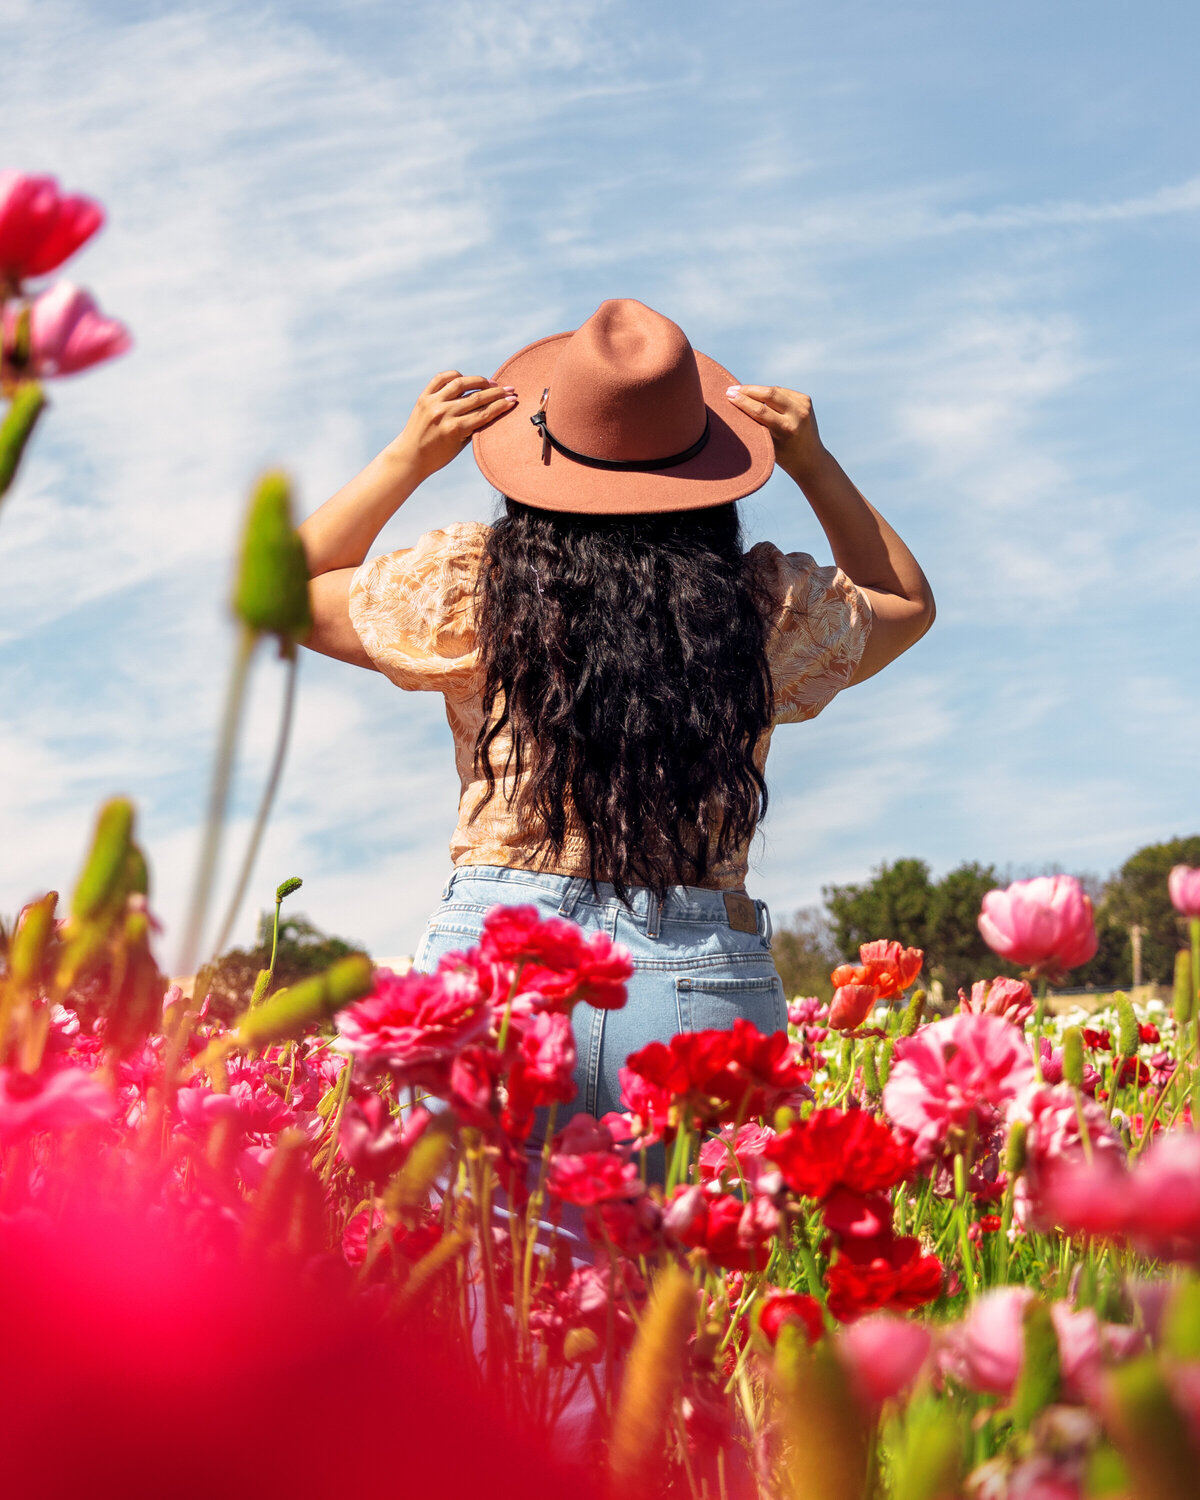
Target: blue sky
(969, 232)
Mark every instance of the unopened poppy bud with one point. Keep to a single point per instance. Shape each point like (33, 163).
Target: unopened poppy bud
(292, 1011)
(581, 1346)
(106, 861)
(288, 887)
(1127, 1025)
(870, 1073)
(137, 872)
(27, 405)
(960, 1178)
(885, 1064)
(27, 951)
(1185, 997)
(1148, 1427)
(914, 1013)
(1014, 1161)
(1073, 1056)
(271, 592)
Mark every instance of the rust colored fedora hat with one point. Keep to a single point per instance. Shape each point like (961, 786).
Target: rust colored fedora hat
(619, 417)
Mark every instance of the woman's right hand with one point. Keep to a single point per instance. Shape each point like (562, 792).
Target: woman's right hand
(788, 417)
(449, 412)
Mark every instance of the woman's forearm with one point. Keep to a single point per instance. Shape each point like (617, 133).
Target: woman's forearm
(865, 547)
(339, 533)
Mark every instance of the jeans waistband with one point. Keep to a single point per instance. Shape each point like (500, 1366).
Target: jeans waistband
(681, 903)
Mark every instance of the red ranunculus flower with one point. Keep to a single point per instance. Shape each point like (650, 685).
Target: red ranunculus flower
(779, 1308)
(888, 1272)
(723, 1076)
(729, 1232)
(840, 1148)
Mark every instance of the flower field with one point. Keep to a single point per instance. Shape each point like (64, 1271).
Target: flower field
(356, 1234)
(886, 1253)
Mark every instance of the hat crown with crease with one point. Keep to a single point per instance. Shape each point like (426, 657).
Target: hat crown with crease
(626, 386)
(635, 421)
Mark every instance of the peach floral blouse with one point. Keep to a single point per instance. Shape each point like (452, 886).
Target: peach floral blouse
(413, 611)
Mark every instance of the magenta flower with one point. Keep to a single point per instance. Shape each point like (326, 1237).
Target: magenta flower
(1184, 885)
(67, 332)
(39, 226)
(1044, 924)
(954, 1079)
(883, 1355)
(414, 1024)
(60, 1100)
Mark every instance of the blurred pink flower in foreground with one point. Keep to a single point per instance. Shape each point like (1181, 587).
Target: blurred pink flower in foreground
(1184, 885)
(955, 1076)
(984, 1352)
(1044, 924)
(54, 1101)
(883, 1355)
(39, 226)
(67, 332)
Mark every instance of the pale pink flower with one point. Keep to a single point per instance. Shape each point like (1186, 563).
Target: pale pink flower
(67, 332)
(1183, 884)
(883, 1355)
(985, 1351)
(1080, 1348)
(60, 1100)
(39, 226)
(1053, 1136)
(1010, 998)
(1044, 924)
(807, 1010)
(955, 1076)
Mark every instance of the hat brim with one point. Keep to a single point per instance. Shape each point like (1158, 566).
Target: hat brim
(736, 460)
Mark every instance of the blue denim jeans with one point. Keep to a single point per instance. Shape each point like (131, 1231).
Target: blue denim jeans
(693, 968)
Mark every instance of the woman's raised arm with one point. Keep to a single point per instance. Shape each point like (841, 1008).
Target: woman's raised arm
(864, 546)
(338, 535)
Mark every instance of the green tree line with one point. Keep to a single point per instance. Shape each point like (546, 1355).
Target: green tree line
(903, 901)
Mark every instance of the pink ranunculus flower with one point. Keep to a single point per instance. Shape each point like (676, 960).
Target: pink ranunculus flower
(883, 1355)
(955, 1076)
(1183, 883)
(736, 1156)
(1053, 1138)
(1044, 924)
(67, 332)
(414, 1024)
(985, 1351)
(39, 226)
(59, 1100)
(1010, 998)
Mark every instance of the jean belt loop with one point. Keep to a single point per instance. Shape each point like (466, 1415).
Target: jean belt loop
(571, 897)
(764, 921)
(653, 914)
(449, 886)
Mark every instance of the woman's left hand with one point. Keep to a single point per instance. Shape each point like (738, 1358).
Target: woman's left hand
(449, 412)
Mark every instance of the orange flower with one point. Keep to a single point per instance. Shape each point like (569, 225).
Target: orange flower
(887, 967)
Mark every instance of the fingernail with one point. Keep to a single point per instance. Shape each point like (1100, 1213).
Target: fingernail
(511, 389)
(512, 400)
(733, 390)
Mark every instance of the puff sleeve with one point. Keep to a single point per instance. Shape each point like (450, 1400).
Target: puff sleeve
(817, 630)
(413, 610)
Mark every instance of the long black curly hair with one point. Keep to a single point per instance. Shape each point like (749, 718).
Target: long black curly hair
(626, 656)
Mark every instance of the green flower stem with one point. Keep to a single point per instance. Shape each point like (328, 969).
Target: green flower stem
(27, 404)
(1038, 1022)
(264, 808)
(218, 797)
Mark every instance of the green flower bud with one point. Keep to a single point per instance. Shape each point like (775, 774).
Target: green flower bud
(914, 1013)
(292, 1011)
(885, 1064)
(271, 592)
(137, 872)
(288, 887)
(1127, 1025)
(1185, 999)
(1014, 1160)
(106, 861)
(27, 405)
(870, 1073)
(1149, 1430)
(1073, 1056)
(27, 951)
